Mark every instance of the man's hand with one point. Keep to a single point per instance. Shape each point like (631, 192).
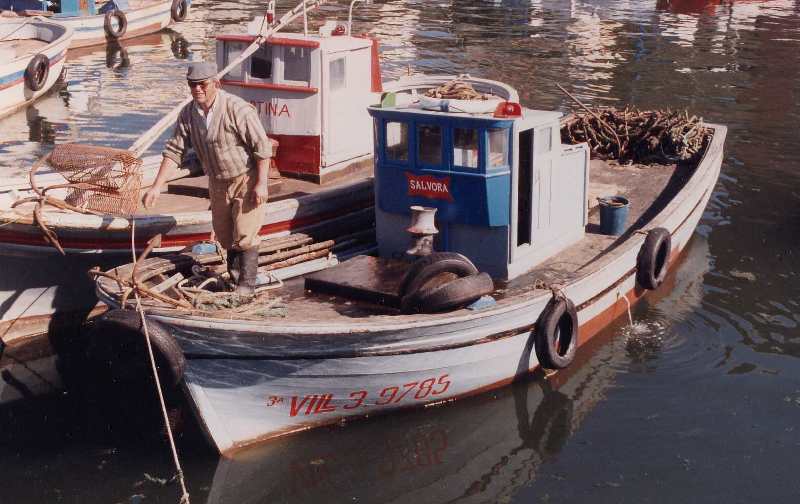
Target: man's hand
(259, 192)
(151, 196)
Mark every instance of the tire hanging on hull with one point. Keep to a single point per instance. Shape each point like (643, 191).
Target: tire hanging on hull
(117, 32)
(652, 262)
(117, 350)
(179, 10)
(37, 71)
(556, 334)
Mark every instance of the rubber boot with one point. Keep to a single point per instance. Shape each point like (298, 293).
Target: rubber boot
(249, 269)
(234, 265)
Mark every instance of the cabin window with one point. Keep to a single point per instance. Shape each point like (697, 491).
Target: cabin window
(498, 147)
(337, 69)
(232, 51)
(296, 64)
(543, 141)
(465, 147)
(397, 141)
(261, 63)
(429, 142)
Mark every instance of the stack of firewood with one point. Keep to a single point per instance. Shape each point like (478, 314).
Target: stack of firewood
(636, 136)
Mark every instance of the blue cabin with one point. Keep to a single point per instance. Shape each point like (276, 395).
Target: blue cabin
(508, 194)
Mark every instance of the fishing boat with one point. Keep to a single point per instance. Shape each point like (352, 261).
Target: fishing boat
(112, 21)
(313, 104)
(32, 52)
(502, 249)
(309, 88)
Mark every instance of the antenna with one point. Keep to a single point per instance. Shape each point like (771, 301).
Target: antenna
(350, 15)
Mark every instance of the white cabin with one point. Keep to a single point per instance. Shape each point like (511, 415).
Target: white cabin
(312, 92)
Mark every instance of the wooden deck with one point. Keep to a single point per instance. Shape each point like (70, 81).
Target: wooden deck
(190, 194)
(649, 189)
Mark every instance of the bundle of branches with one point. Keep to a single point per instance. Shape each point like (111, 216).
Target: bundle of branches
(455, 89)
(638, 136)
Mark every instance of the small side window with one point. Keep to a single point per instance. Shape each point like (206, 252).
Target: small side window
(465, 147)
(498, 147)
(543, 140)
(338, 76)
(296, 64)
(397, 141)
(232, 51)
(261, 63)
(429, 141)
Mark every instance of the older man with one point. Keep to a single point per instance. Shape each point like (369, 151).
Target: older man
(234, 150)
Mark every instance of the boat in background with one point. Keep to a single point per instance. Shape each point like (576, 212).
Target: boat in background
(116, 20)
(32, 55)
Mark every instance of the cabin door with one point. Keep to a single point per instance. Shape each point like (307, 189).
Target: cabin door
(544, 219)
(337, 137)
(535, 224)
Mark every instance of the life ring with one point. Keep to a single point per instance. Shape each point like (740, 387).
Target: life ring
(179, 10)
(653, 259)
(117, 350)
(37, 71)
(556, 334)
(456, 293)
(122, 24)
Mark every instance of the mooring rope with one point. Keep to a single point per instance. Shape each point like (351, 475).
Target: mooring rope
(140, 309)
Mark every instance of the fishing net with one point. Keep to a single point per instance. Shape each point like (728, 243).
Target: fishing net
(99, 179)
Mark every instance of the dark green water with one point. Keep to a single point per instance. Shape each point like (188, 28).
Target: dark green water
(698, 402)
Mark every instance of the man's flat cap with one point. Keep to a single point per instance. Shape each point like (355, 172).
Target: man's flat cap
(200, 71)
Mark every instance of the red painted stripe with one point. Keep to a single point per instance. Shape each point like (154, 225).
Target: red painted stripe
(273, 87)
(278, 41)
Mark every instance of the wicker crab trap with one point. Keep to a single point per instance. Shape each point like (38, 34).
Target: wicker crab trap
(98, 181)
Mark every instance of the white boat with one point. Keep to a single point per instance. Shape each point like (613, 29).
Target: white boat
(115, 20)
(512, 198)
(32, 54)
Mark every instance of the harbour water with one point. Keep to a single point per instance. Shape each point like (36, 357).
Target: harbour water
(697, 401)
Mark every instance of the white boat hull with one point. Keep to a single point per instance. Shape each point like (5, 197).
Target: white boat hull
(90, 30)
(249, 382)
(13, 91)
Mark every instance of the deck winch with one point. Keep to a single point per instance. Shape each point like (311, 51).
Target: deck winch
(507, 193)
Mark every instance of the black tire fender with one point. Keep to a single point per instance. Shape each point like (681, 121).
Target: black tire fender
(455, 294)
(425, 268)
(37, 71)
(179, 10)
(122, 24)
(652, 262)
(558, 320)
(117, 345)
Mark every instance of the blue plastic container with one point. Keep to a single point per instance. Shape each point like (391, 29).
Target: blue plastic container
(613, 215)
